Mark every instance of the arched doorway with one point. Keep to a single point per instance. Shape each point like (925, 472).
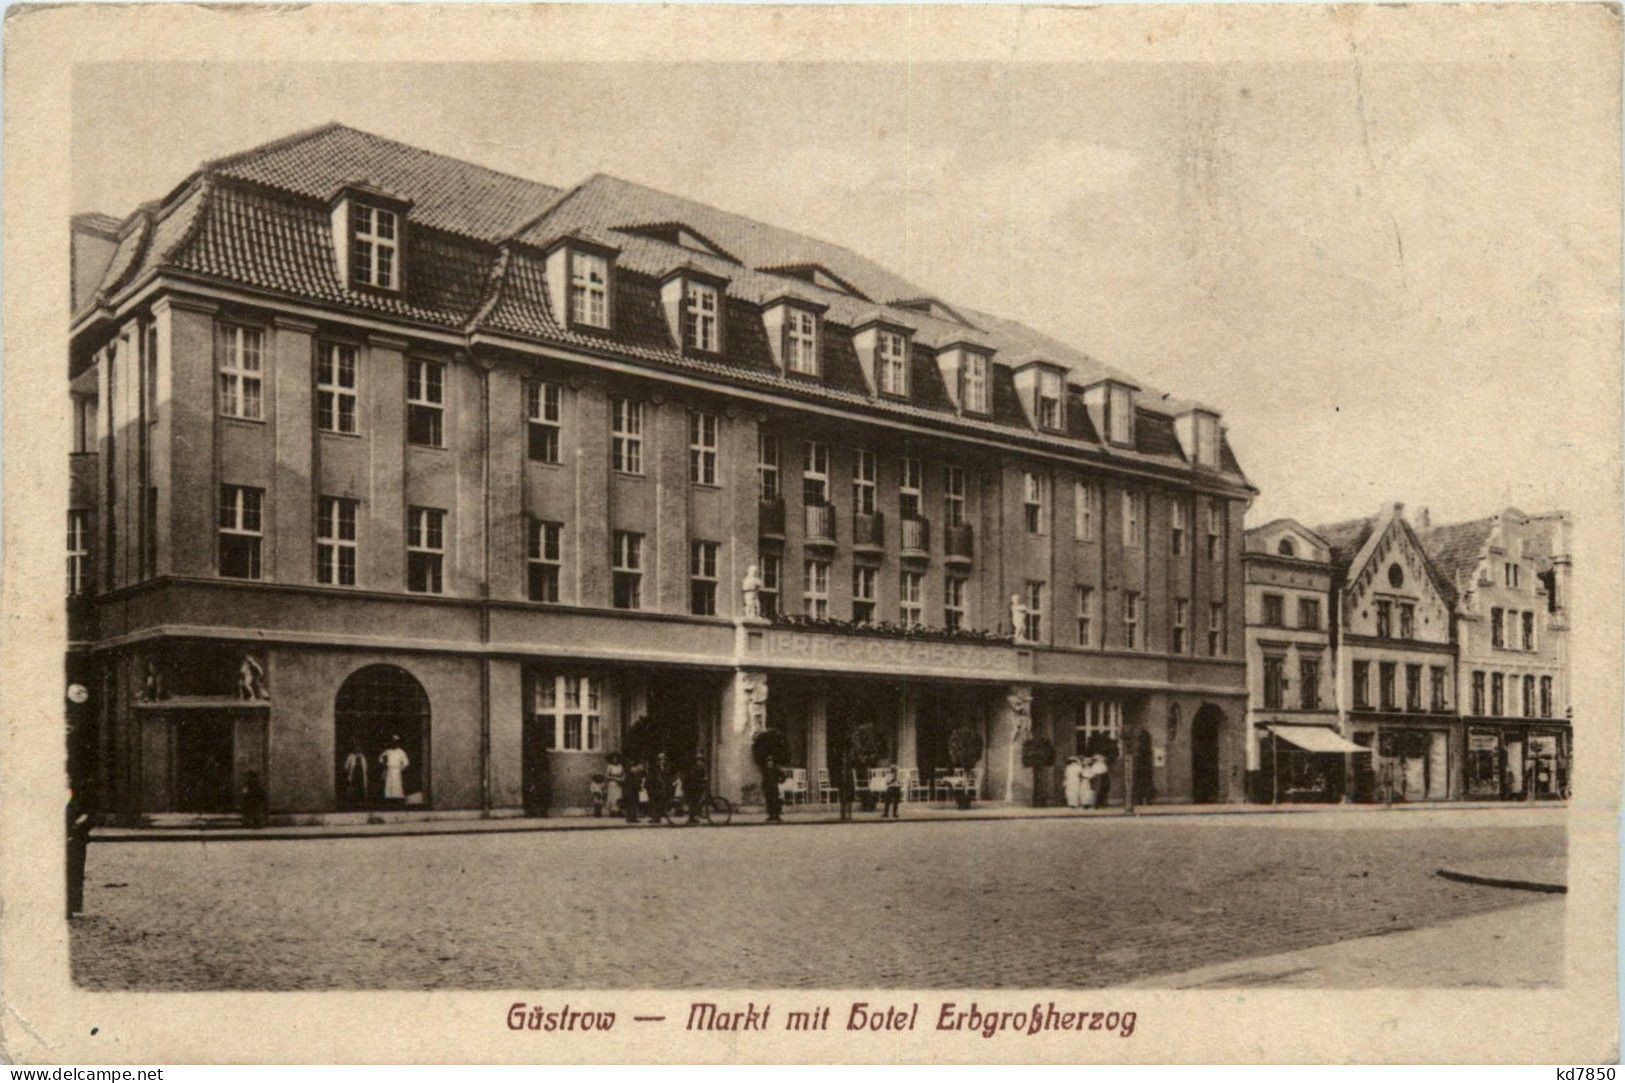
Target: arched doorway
(1205, 728)
(379, 707)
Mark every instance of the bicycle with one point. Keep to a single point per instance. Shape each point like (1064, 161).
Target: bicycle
(714, 811)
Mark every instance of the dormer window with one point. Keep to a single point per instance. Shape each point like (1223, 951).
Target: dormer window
(700, 317)
(589, 289)
(1207, 440)
(801, 341)
(1050, 389)
(891, 356)
(1120, 415)
(973, 396)
(374, 246)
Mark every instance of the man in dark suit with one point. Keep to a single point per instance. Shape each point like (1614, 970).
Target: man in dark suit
(696, 787)
(658, 781)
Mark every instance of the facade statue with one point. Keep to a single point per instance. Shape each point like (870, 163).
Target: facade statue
(152, 685)
(1018, 617)
(251, 679)
(752, 587)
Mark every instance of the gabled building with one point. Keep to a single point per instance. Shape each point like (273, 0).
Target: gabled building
(381, 449)
(1509, 574)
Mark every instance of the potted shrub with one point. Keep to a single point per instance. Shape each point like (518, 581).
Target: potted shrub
(1038, 753)
(865, 750)
(964, 752)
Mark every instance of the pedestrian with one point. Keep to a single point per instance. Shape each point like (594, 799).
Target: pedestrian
(1073, 777)
(697, 787)
(634, 791)
(845, 786)
(394, 761)
(355, 776)
(79, 823)
(772, 778)
(1099, 779)
(658, 782)
(255, 804)
(614, 784)
(894, 793)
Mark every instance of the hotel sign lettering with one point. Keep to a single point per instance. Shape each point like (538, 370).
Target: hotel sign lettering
(907, 655)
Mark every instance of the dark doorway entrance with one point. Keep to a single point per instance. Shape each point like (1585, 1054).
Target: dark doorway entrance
(378, 708)
(203, 767)
(1205, 754)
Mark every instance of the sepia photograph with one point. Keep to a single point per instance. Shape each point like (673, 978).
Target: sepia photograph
(1007, 535)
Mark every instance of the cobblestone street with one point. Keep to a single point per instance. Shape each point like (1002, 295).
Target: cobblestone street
(1017, 903)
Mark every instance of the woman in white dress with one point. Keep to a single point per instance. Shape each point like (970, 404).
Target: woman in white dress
(394, 761)
(1074, 782)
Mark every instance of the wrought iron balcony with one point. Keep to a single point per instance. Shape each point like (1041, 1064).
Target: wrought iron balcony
(868, 531)
(959, 543)
(916, 537)
(770, 517)
(820, 526)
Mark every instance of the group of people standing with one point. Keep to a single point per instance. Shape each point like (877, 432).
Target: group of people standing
(1087, 780)
(647, 788)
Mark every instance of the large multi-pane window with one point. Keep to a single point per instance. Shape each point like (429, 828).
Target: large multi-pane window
(701, 308)
(1085, 511)
(1273, 611)
(1497, 637)
(702, 578)
(568, 710)
(1528, 696)
(1032, 501)
(1132, 634)
(863, 483)
(543, 559)
(973, 383)
(1498, 695)
(1436, 675)
(1181, 619)
(892, 357)
(1086, 616)
(908, 489)
(626, 436)
(426, 402)
(1274, 681)
(1545, 697)
(336, 388)
(1385, 619)
(1387, 673)
(626, 570)
(336, 540)
(1309, 614)
(239, 358)
(1050, 389)
(910, 598)
(1528, 630)
(1407, 620)
(241, 531)
(1362, 684)
(814, 473)
(425, 550)
(1176, 526)
(544, 414)
(1215, 629)
(863, 594)
(1309, 683)
(374, 246)
(953, 602)
(953, 495)
(1034, 632)
(1215, 529)
(772, 574)
(589, 289)
(801, 341)
(1133, 519)
(702, 448)
(1478, 693)
(815, 588)
(1098, 718)
(767, 465)
(78, 552)
(1413, 687)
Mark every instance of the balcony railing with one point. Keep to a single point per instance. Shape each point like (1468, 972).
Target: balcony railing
(916, 537)
(959, 542)
(820, 526)
(868, 531)
(770, 517)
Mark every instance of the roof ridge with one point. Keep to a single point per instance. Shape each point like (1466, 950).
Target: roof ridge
(286, 141)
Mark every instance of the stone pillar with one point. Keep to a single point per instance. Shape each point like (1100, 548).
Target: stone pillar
(742, 716)
(907, 715)
(1006, 779)
(817, 706)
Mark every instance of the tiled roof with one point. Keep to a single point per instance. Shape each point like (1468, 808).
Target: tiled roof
(261, 219)
(446, 193)
(98, 222)
(1346, 537)
(1456, 548)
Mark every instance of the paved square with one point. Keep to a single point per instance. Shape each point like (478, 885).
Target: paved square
(1000, 904)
